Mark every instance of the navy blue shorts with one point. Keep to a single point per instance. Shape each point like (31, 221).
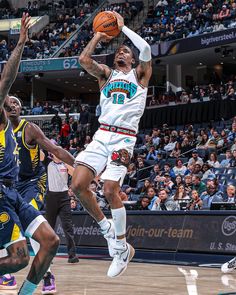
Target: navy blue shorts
(29, 217)
(33, 190)
(11, 229)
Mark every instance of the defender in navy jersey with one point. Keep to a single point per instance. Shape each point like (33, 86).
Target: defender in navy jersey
(32, 176)
(17, 218)
(122, 100)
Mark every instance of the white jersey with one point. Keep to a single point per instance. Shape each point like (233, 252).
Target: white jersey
(122, 100)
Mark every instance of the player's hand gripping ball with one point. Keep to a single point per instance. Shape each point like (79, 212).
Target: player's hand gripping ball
(106, 22)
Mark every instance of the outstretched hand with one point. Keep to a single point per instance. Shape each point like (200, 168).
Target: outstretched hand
(25, 25)
(120, 20)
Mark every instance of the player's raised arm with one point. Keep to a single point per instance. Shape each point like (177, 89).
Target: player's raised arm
(144, 69)
(100, 71)
(11, 68)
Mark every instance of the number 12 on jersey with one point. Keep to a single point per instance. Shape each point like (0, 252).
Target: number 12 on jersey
(118, 98)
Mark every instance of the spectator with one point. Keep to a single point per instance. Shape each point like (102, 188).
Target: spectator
(226, 162)
(168, 183)
(153, 102)
(177, 182)
(74, 204)
(207, 173)
(171, 145)
(143, 190)
(37, 110)
(211, 195)
(179, 168)
(56, 122)
(162, 203)
(141, 172)
(152, 154)
(196, 202)
(154, 173)
(230, 194)
(188, 183)
(232, 162)
(180, 193)
(47, 109)
(142, 204)
(195, 158)
(224, 13)
(197, 169)
(151, 194)
(232, 134)
(156, 137)
(198, 185)
(84, 120)
(64, 132)
(213, 162)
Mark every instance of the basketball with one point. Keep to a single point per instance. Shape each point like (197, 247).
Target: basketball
(106, 22)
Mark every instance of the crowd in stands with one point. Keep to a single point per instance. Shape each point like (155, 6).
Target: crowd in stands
(127, 9)
(217, 90)
(173, 168)
(170, 20)
(65, 20)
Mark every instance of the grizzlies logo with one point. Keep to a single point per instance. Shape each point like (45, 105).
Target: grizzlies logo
(121, 86)
(120, 157)
(4, 218)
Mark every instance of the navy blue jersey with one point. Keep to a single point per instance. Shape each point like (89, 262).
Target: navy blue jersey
(29, 156)
(9, 162)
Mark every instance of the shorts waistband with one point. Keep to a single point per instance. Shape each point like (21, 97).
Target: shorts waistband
(119, 130)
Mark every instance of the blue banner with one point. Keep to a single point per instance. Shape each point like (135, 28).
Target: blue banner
(52, 64)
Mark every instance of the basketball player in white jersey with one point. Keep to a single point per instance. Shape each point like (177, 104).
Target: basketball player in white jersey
(122, 101)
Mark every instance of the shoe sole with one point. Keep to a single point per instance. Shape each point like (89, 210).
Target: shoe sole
(131, 255)
(49, 292)
(8, 287)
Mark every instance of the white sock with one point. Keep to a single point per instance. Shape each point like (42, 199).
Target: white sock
(27, 288)
(104, 224)
(35, 245)
(119, 219)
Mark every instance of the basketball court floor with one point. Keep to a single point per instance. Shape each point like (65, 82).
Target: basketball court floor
(88, 277)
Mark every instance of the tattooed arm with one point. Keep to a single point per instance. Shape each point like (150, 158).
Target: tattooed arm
(11, 68)
(100, 71)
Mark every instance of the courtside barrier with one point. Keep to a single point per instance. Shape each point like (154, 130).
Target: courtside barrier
(200, 232)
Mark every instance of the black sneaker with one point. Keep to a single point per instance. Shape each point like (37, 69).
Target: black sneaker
(73, 259)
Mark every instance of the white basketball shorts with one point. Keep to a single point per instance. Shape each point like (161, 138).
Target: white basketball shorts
(108, 150)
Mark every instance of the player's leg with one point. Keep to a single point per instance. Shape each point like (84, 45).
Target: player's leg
(49, 243)
(90, 163)
(17, 258)
(81, 179)
(66, 220)
(33, 193)
(113, 176)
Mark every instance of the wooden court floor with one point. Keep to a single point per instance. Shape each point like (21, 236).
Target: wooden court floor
(88, 277)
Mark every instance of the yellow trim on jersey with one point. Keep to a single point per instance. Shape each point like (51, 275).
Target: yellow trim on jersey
(2, 135)
(28, 147)
(15, 233)
(19, 126)
(34, 204)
